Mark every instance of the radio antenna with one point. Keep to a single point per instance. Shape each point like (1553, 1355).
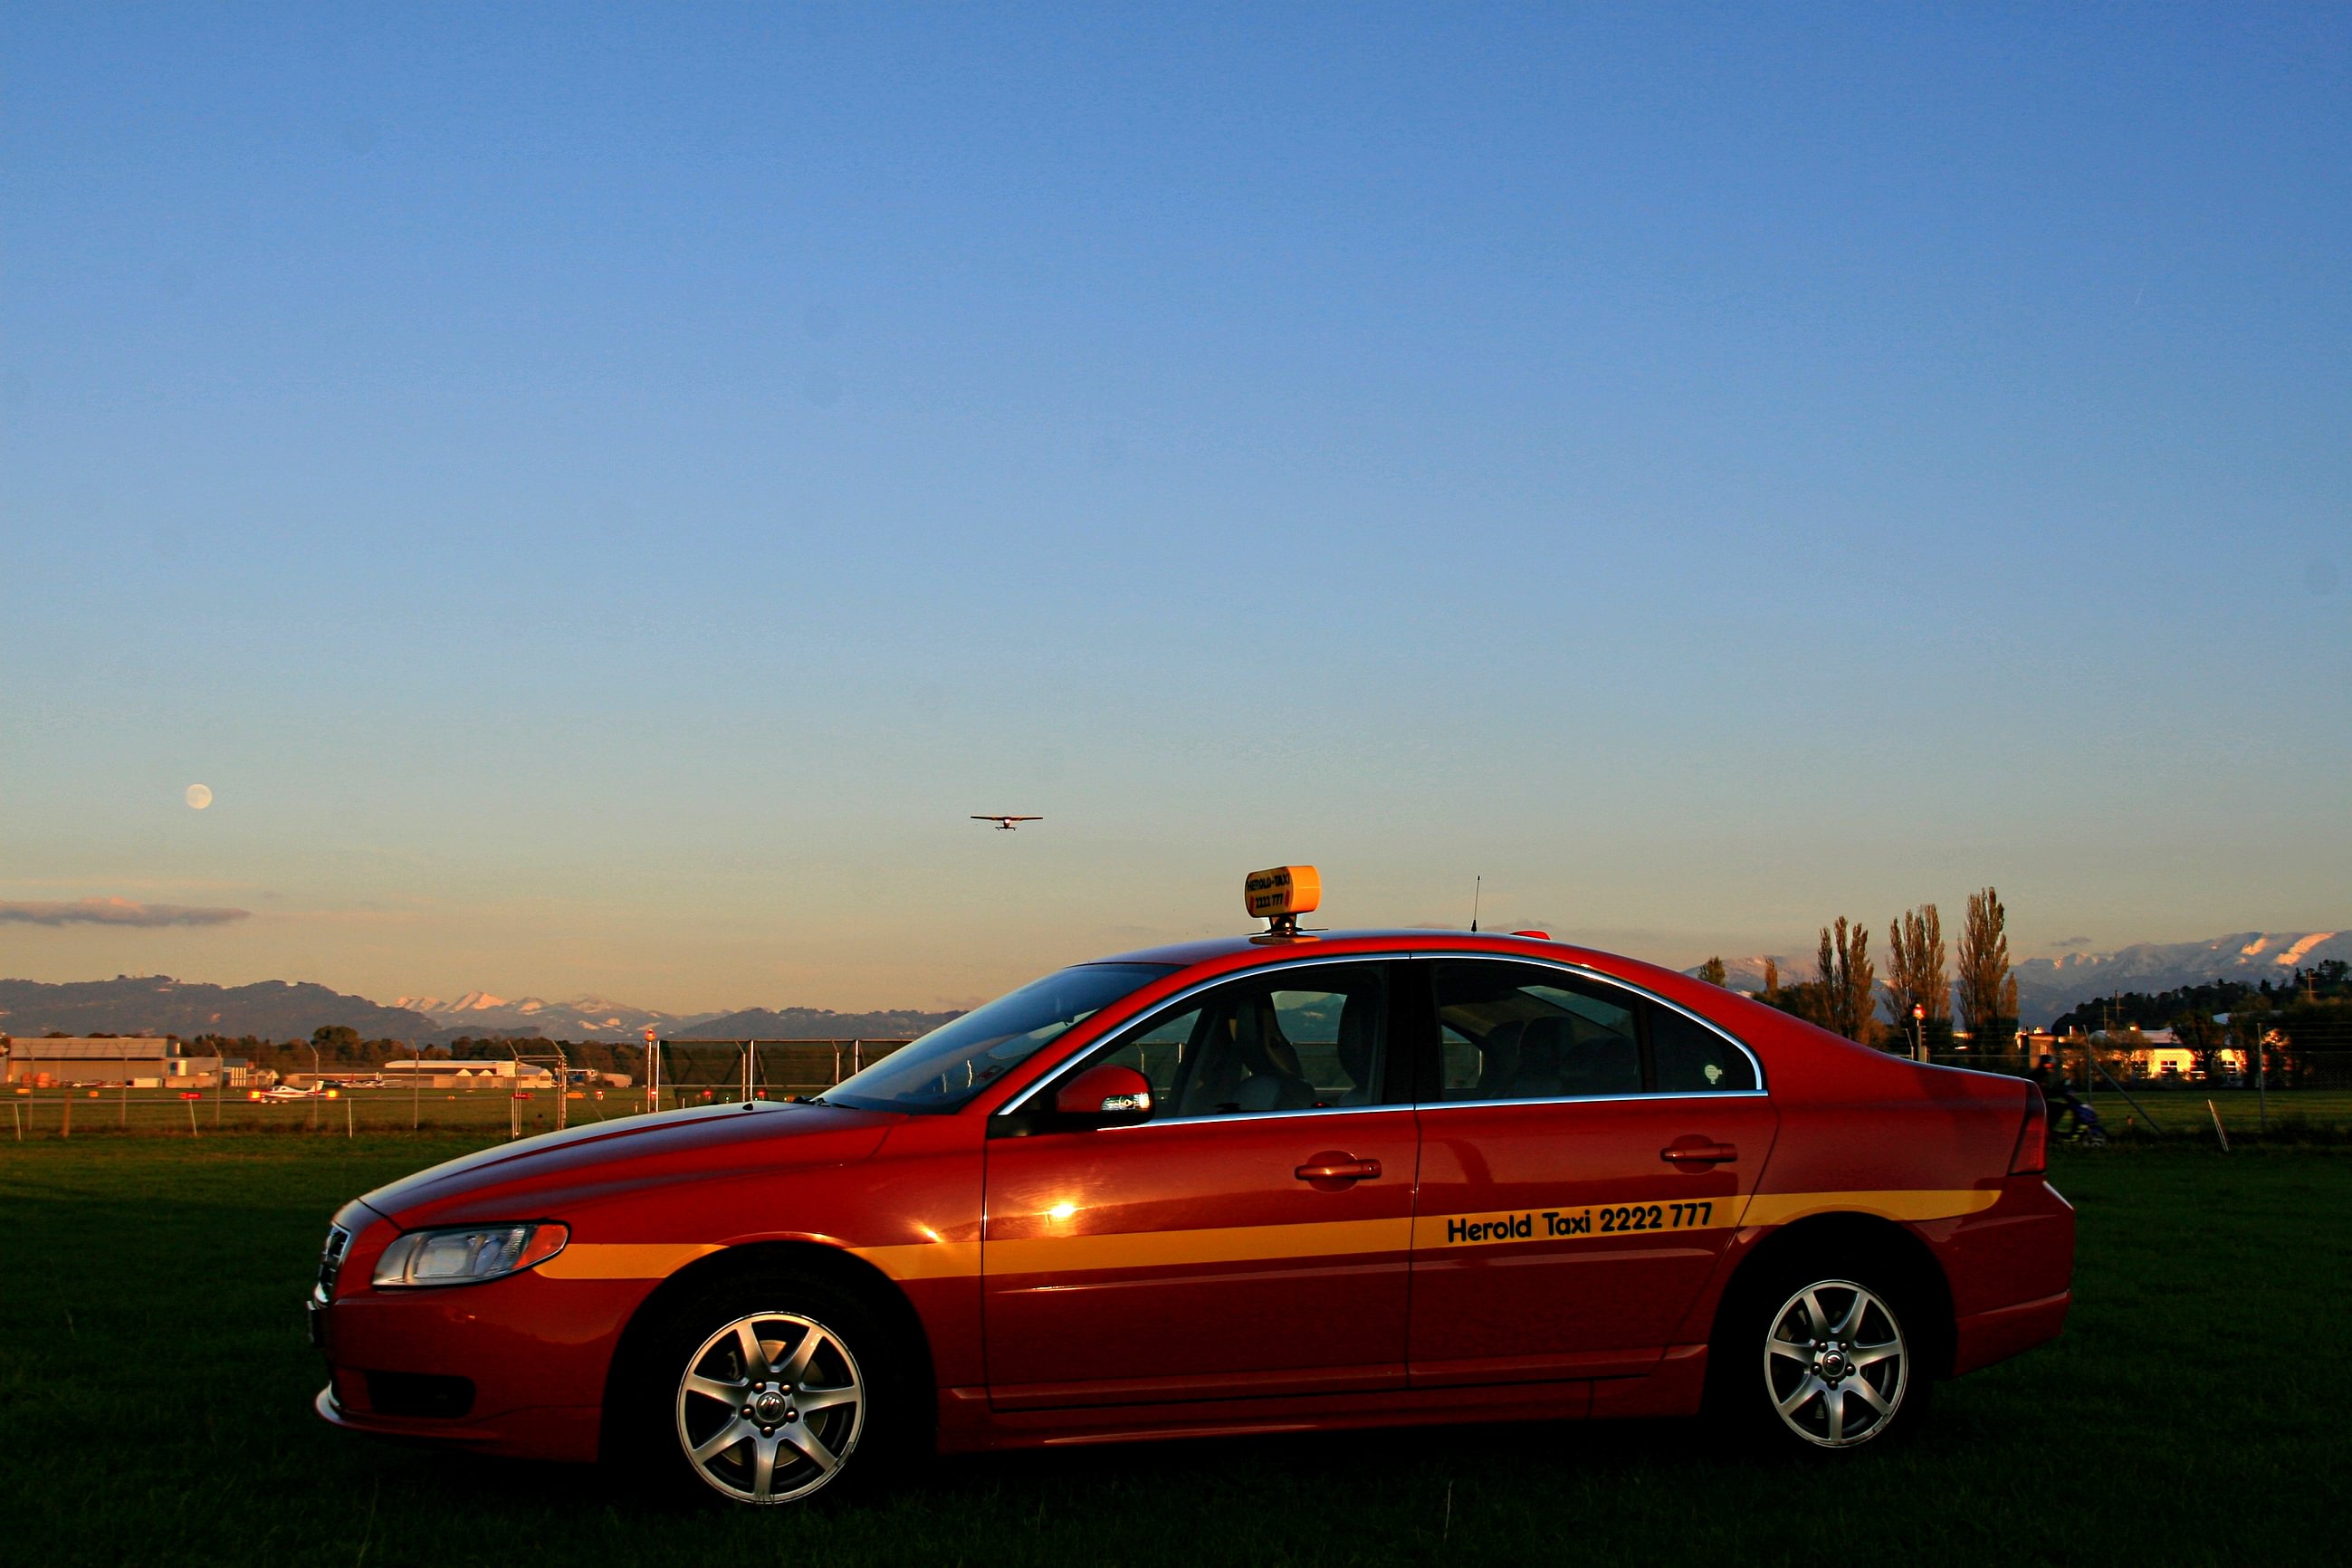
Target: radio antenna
(1477, 885)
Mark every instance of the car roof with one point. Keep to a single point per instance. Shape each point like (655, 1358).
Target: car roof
(1406, 939)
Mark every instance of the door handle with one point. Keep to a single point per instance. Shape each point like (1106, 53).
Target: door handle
(1699, 1154)
(1338, 1171)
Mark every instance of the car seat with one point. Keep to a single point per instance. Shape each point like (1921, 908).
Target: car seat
(1594, 1061)
(1276, 1081)
(1498, 1060)
(1541, 1073)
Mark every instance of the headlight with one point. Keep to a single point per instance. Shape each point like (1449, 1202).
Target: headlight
(468, 1255)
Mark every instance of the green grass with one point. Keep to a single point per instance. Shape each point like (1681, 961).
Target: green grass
(154, 1408)
(54, 1113)
(2304, 1115)
(2284, 1114)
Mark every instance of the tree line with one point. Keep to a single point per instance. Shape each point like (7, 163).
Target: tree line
(2292, 1023)
(1923, 980)
(341, 1052)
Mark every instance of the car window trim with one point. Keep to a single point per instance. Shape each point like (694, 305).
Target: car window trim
(1176, 1000)
(1582, 971)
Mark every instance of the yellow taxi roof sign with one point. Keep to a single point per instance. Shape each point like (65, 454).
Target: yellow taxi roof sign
(1282, 890)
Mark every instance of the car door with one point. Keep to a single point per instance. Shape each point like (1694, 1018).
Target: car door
(1254, 1237)
(1586, 1151)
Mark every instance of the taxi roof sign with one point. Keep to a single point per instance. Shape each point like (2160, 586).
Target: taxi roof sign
(1282, 894)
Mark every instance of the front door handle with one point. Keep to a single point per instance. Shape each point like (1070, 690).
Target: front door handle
(1697, 1154)
(1324, 1168)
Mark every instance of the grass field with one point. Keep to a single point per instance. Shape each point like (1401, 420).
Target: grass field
(154, 1408)
(2323, 1115)
(148, 1112)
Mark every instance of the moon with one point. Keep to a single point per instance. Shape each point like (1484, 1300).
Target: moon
(199, 796)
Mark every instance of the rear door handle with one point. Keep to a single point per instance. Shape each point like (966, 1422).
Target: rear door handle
(1338, 1171)
(1698, 1153)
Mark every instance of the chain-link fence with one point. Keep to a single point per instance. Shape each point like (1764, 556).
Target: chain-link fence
(681, 1073)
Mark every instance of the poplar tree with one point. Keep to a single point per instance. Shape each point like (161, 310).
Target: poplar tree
(1916, 976)
(1713, 972)
(1847, 980)
(1988, 988)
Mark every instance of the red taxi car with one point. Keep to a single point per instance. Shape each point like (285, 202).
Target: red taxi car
(1282, 1182)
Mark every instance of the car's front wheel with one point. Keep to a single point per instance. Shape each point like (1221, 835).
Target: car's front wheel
(766, 1388)
(770, 1406)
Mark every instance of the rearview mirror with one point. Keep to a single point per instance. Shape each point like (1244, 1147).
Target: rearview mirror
(1106, 1096)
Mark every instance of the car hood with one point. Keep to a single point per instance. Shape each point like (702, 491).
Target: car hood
(530, 1178)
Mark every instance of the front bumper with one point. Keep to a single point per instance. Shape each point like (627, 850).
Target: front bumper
(563, 1432)
(533, 1354)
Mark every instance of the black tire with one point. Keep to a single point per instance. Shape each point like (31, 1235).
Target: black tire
(835, 1399)
(1783, 1369)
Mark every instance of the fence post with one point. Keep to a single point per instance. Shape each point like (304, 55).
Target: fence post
(2261, 1094)
(192, 1120)
(65, 1129)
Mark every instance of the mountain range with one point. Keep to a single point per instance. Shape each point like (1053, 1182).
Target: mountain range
(159, 1004)
(276, 1009)
(2047, 987)
(581, 1018)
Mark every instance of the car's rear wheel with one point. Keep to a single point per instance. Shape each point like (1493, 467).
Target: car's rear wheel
(767, 1388)
(1823, 1358)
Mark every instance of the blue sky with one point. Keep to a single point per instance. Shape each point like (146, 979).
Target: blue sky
(600, 495)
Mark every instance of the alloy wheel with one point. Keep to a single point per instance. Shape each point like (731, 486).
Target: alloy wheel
(1836, 1364)
(769, 1407)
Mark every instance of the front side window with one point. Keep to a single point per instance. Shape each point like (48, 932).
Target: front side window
(1308, 1039)
(958, 1058)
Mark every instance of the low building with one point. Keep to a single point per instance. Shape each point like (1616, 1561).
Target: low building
(143, 1061)
(485, 1073)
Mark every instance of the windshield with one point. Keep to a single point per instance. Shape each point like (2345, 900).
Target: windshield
(956, 1060)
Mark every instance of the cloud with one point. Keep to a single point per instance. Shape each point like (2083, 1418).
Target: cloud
(2073, 941)
(114, 912)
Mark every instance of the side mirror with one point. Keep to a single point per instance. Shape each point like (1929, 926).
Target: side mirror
(1105, 1096)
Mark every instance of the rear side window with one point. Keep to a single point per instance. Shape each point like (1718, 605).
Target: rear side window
(1525, 1031)
(1517, 1031)
(1693, 1059)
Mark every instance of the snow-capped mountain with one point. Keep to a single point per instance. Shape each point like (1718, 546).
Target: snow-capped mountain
(580, 1018)
(2048, 986)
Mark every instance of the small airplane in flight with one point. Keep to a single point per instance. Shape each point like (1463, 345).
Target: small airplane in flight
(1004, 824)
